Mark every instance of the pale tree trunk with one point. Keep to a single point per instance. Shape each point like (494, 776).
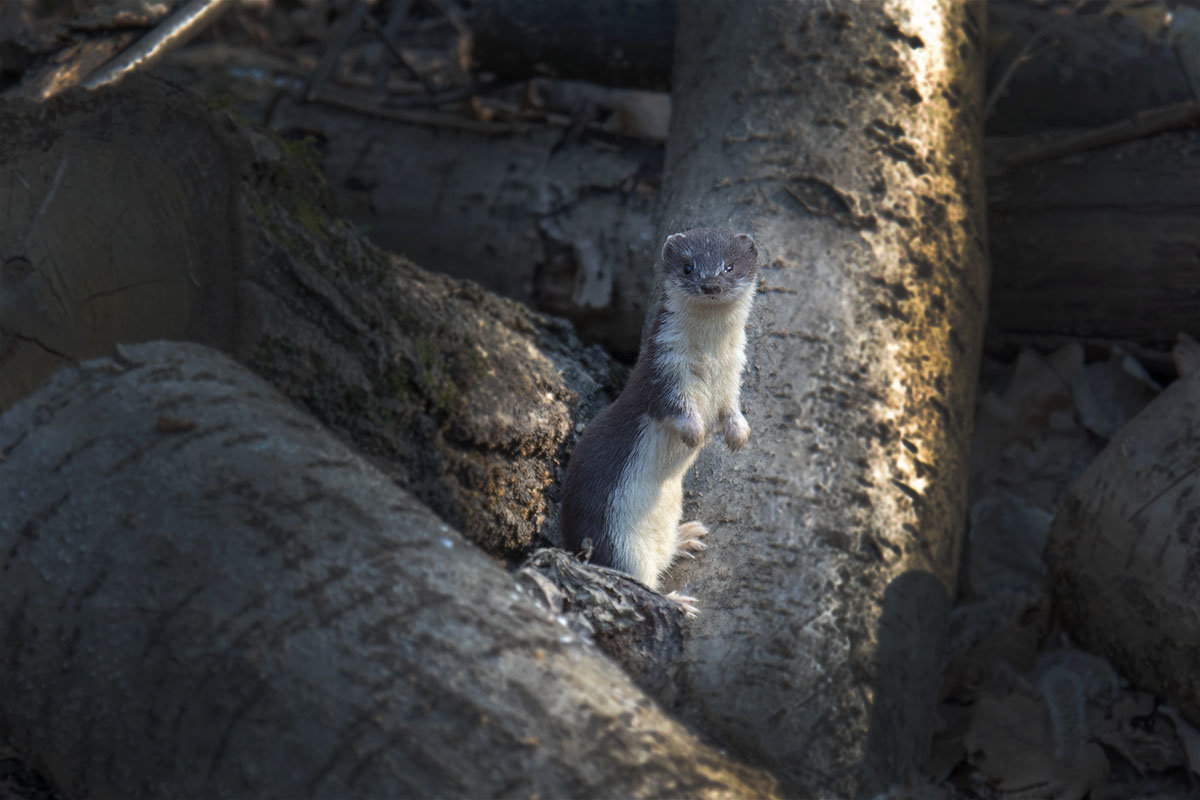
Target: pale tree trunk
(206, 594)
(848, 142)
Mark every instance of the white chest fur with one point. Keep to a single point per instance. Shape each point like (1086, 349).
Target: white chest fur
(701, 353)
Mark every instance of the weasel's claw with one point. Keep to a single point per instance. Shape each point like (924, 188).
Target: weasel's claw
(686, 603)
(688, 537)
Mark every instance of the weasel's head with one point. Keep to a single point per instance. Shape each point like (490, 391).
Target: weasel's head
(710, 265)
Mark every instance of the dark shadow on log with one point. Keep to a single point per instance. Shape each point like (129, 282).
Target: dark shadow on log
(904, 680)
(1102, 245)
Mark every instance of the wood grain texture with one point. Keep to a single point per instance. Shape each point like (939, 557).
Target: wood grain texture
(1099, 245)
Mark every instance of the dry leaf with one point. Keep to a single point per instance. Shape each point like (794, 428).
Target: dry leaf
(1109, 393)
(1189, 737)
(1007, 536)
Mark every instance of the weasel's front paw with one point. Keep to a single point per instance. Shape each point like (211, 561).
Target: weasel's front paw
(690, 429)
(736, 430)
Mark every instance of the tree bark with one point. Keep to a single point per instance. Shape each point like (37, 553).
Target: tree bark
(632, 624)
(205, 594)
(848, 143)
(137, 213)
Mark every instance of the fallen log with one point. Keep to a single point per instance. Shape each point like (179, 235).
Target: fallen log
(138, 213)
(1123, 550)
(206, 594)
(1096, 248)
(1098, 245)
(615, 42)
(562, 224)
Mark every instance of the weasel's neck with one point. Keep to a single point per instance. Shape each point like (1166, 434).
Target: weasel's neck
(696, 325)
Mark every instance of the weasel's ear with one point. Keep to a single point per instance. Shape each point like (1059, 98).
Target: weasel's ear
(748, 240)
(672, 247)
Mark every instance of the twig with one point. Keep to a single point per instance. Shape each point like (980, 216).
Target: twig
(386, 37)
(452, 17)
(1184, 41)
(447, 95)
(1023, 151)
(175, 30)
(395, 19)
(1020, 58)
(355, 101)
(333, 52)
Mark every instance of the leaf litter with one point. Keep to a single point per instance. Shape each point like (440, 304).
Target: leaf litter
(1024, 713)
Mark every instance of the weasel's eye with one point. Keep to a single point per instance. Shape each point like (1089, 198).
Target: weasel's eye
(729, 267)
(687, 269)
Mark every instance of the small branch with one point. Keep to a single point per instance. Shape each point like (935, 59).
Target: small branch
(20, 337)
(395, 19)
(333, 52)
(1025, 150)
(174, 31)
(1024, 55)
(357, 101)
(386, 36)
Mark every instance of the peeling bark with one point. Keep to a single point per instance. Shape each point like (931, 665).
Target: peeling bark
(635, 626)
(848, 142)
(205, 594)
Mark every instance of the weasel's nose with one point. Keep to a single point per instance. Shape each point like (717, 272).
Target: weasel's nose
(710, 289)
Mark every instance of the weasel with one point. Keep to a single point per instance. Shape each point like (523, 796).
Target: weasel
(624, 483)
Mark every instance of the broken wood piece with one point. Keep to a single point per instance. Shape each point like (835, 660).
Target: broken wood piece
(176, 30)
(1123, 549)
